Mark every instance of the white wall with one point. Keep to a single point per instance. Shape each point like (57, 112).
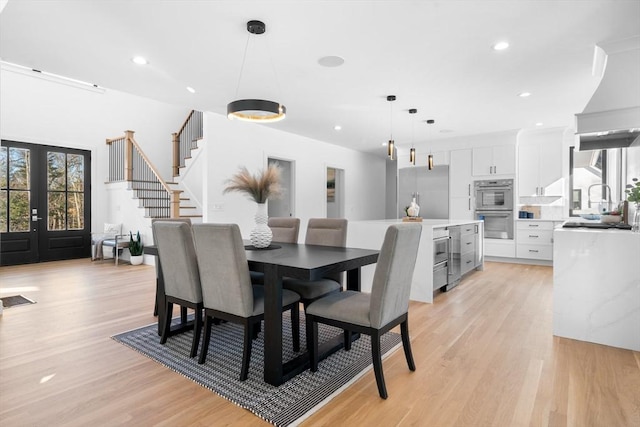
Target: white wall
(231, 144)
(43, 111)
(38, 110)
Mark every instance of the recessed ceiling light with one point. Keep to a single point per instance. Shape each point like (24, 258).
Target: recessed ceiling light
(337, 127)
(539, 124)
(524, 94)
(500, 46)
(139, 60)
(190, 89)
(331, 61)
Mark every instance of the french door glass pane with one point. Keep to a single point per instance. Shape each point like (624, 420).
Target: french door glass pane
(75, 211)
(19, 211)
(3, 168)
(19, 168)
(75, 172)
(56, 171)
(57, 211)
(3, 211)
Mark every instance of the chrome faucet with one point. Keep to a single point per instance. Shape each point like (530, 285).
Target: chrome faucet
(605, 186)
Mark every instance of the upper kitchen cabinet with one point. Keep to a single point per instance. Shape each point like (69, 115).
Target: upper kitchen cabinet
(540, 163)
(494, 161)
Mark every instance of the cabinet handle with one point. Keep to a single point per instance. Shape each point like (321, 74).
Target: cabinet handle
(533, 250)
(469, 204)
(533, 235)
(533, 225)
(495, 169)
(469, 190)
(468, 243)
(469, 262)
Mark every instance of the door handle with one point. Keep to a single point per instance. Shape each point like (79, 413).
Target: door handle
(35, 218)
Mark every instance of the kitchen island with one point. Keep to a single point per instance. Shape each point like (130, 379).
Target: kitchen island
(596, 286)
(370, 234)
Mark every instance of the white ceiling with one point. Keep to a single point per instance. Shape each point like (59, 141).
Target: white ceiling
(435, 56)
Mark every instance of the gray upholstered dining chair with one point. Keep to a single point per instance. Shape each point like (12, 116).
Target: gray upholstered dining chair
(227, 290)
(323, 232)
(285, 230)
(183, 310)
(376, 313)
(177, 254)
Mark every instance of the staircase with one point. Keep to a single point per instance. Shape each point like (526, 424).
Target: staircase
(158, 198)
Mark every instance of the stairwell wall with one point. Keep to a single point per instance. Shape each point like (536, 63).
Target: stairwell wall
(44, 111)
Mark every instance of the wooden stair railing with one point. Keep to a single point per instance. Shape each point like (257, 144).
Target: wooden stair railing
(127, 162)
(186, 139)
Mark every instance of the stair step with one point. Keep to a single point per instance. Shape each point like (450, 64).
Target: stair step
(188, 207)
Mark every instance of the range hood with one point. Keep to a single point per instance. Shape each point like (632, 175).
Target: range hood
(611, 118)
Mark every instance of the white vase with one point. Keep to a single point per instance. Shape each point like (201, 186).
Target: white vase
(261, 235)
(136, 259)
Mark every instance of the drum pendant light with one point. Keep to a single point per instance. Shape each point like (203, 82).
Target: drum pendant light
(391, 144)
(412, 152)
(255, 110)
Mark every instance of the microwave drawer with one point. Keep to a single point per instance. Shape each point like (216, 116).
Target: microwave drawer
(440, 275)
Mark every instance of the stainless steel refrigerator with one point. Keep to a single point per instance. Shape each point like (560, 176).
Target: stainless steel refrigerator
(429, 187)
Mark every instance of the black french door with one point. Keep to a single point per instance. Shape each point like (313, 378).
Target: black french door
(45, 203)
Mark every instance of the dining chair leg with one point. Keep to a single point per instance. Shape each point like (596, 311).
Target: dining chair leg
(205, 339)
(376, 355)
(347, 340)
(183, 314)
(246, 352)
(167, 323)
(312, 342)
(295, 326)
(197, 328)
(406, 344)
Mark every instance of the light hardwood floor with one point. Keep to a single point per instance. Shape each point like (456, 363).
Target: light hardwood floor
(485, 356)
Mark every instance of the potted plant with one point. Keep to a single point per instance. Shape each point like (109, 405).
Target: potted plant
(136, 248)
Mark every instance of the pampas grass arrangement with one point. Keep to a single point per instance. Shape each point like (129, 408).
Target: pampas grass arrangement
(260, 187)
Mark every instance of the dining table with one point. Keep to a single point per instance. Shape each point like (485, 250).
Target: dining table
(296, 260)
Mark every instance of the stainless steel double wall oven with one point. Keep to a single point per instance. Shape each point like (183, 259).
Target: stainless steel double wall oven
(494, 205)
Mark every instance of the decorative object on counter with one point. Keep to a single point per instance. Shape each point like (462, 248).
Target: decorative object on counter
(611, 218)
(259, 188)
(413, 210)
(136, 249)
(633, 195)
(591, 217)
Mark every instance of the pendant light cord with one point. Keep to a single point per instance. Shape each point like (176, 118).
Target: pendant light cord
(273, 69)
(244, 58)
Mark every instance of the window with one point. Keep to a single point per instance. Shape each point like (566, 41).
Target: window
(587, 180)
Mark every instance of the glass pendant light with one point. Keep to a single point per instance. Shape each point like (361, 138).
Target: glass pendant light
(391, 144)
(430, 157)
(412, 152)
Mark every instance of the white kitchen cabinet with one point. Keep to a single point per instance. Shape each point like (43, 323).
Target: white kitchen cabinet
(460, 185)
(534, 239)
(540, 168)
(495, 160)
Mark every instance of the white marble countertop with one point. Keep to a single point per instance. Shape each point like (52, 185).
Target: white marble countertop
(542, 219)
(437, 223)
(596, 286)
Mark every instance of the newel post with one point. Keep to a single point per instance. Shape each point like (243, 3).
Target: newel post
(128, 155)
(175, 203)
(176, 154)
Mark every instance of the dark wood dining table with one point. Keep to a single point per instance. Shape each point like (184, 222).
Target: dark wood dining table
(300, 261)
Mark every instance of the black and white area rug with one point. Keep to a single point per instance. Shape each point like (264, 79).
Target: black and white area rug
(286, 405)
